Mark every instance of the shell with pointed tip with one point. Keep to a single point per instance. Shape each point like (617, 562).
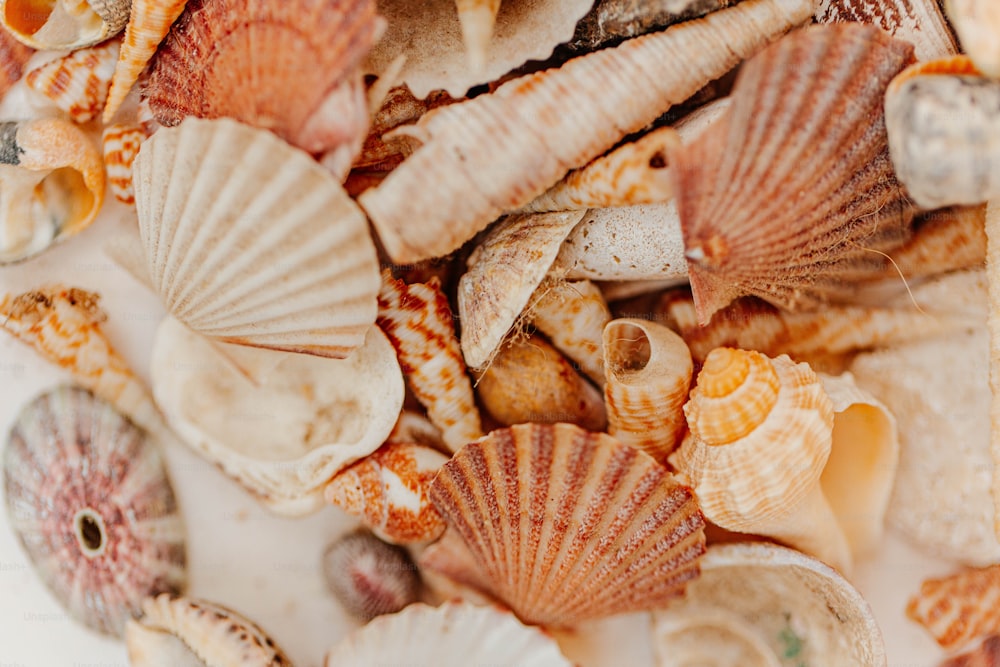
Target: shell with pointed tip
(13, 56)
(219, 60)
(572, 315)
(919, 22)
(51, 185)
(77, 83)
(977, 23)
(121, 144)
(180, 631)
(388, 490)
(280, 424)
(649, 371)
(250, 241)
(760, 434)
(460, 179)
(959, 608)
(418, 321)
(530, 381)
(568, 525)
(91, 504)
(370, 577)
(775, 604)
(447, 636)
(63, 24)
(748, 228)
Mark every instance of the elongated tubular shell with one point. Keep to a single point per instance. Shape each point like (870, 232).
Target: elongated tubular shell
(78, 83)
(418, 321)
(959, 608)
(568, 525)
(461, 178)
(572, 316)
(814, 98)
(649, 371)
(977, 23)
(917, 21)
(63, 24)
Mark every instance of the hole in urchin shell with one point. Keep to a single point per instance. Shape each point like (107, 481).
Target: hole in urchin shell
(90, 532)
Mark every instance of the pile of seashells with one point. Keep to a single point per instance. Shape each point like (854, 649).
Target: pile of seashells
(579, 309)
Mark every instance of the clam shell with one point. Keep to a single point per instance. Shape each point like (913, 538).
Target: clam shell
(568, 525)
(285, 436)
(977, 23)
(748, 229)
(457, 182)
(77, 83)
(91, 504)
(648, 377)
(388, 490)
(219, 60)
(369, 577)
(987, 654)
(121, 145)
(13, 56)
(572, 316)
(418, 321)
(958, 608)
(180, 631)
(919, 22)
(530, 381)
(250, 241)
(761, 432)
(774, 604)
(63, 24)
(451, 635)
(51, 185)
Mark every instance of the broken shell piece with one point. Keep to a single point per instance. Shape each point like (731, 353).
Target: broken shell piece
(13, 56)
(568, 525)
(987, 654)
(977, 23)
(758, 601)
(919, 22)
(77, 83)
(388, 490)
(504, 271)
(63, 24)
(121, 145)
(261, 252)
(530, 381)
(792, 249)
(284, 436)
(572, 316)
(89, 499)
(760, 434)
(943, 134)
(612, 20)
(649, 374)
(185, 631)
(418, 321)
(957, 609)
(477, 18)
(456, 183)
(447, 636)
(369, 577)
(51, 185)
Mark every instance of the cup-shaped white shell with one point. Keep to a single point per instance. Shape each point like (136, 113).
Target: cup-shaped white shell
(250, 241)
(280, 424)
(649, 371)
(919, 22)
(765, 605)
(959, 608)
(567, 525)
(572, 315)
(456, 634)
(77, 83)
(64, 24)
(977, 23)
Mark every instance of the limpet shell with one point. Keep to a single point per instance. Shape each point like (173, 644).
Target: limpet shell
(369, 577)
(64, 24)
(77, 83)
(91, 504)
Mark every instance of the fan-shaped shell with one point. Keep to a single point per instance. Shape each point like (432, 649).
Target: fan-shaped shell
(452, 635)
(77, 83)
(917, 21)
(250, 241)
(64, 24)
(787, 196)
(90, 501)
(959, 608)
(568, 525)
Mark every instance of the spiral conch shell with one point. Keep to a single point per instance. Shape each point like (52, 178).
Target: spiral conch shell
(121, 146)
(78, 83)
(64, 24)
(959, 608)
(572, 314)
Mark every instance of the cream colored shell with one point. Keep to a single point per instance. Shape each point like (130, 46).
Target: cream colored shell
(64, 24)
(977, 23)
(572, 316)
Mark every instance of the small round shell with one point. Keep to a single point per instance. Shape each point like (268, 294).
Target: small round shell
(64, 24)
(370, 577)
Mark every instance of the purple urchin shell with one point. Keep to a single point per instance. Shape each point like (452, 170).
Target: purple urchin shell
(89, 498)
(370, 577)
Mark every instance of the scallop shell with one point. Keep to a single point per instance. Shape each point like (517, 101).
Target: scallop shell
(649, 374)
(761, 431)
(418, 321)
(943, 135)
(572, 316)
(284, 435)
(919, 22)
(456, 182)
(369, 577)
(959, 608)
(388, 490)
(13, 57)
(238, 76)
(51, 185)
(77, 83)
(91, 504)
(251, 242)
(987, 654)
(762, 605)
(977, 23)
(791, 249)
(569, 525)
(121, 145)
(178, 630)
(63, 24)
(530, 381)
(447, 636)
